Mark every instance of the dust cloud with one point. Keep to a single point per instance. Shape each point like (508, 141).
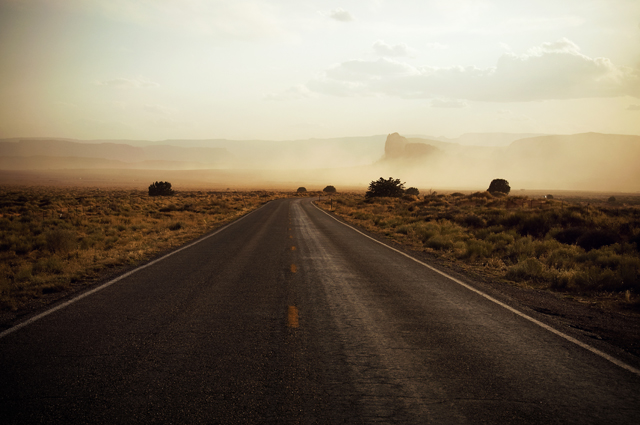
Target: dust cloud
(589, 162)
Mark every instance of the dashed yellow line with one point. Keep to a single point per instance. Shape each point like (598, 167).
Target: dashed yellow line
(293, 248)
(292, 317)
(293, 268)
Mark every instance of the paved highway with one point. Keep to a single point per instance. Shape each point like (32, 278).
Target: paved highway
(289, 316)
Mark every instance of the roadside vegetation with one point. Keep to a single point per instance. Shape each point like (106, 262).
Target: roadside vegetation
(52, 239)
(587, 250)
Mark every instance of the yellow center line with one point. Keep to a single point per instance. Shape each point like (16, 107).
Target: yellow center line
(293, 248)
(292, 317)
(293, 268)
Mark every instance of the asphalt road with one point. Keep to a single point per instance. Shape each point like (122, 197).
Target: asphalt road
(288, 316)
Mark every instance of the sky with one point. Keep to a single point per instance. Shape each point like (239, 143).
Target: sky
(291, 69)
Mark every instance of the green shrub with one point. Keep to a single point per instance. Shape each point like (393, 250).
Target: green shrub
(527, 269)
(521, 249)
(562, 258)
(427, 231)
(477, 249)
(439, 243)
(513, 220)
(51, 265)
(404, 229)
(536, 225)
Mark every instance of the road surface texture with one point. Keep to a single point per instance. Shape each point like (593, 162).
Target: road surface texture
(289, 316)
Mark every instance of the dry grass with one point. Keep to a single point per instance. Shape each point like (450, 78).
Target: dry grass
(52, 238)
(588, 249)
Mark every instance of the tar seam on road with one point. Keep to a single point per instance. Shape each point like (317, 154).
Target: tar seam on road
(490, 298)
(111, 282)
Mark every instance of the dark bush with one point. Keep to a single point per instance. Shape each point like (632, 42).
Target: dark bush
(570, 236)
(611, 200)
(412, 191)
(499, 185)
(513, 220)
(535, 225)
(594, 239)
(161, 189)
(301, 189)
(391, 187)
(176, 226)
(472, 220)
(329, 189)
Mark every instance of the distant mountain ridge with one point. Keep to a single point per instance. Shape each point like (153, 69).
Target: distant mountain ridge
(482, 139)
(112, 151)
(589, 161)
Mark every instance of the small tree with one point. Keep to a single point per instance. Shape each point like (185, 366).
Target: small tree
(499, 185)
(329, 189)
(161, 189)
(302, 189)
(412, 191)
(391, 187)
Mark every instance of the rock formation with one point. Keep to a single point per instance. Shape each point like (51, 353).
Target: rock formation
(398, 147)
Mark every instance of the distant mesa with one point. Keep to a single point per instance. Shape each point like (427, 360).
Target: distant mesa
(398, 147)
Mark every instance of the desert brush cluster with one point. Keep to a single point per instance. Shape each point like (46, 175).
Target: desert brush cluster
(52, 239)
(577, 248)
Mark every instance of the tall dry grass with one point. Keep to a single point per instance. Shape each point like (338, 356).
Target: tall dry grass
(51, 239)
(588, 248)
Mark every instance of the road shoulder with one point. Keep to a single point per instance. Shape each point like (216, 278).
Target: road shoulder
(616, 333)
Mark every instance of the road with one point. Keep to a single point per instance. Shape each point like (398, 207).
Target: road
(289, 316)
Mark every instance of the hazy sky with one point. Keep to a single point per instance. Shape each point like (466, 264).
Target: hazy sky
(159, 69)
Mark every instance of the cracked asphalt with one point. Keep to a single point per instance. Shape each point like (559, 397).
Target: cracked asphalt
(288, 316)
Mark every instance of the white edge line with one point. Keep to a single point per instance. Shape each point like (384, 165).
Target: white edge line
(111, 282)
(490, 298)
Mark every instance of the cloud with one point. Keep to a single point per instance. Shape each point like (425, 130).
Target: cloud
(158, 109)
(341, 15)
(293, 93)
(553, 70)
(437, 46)
(633, 108)
(448, 103)
(135, 83)
(384, 49)
(234, 19)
